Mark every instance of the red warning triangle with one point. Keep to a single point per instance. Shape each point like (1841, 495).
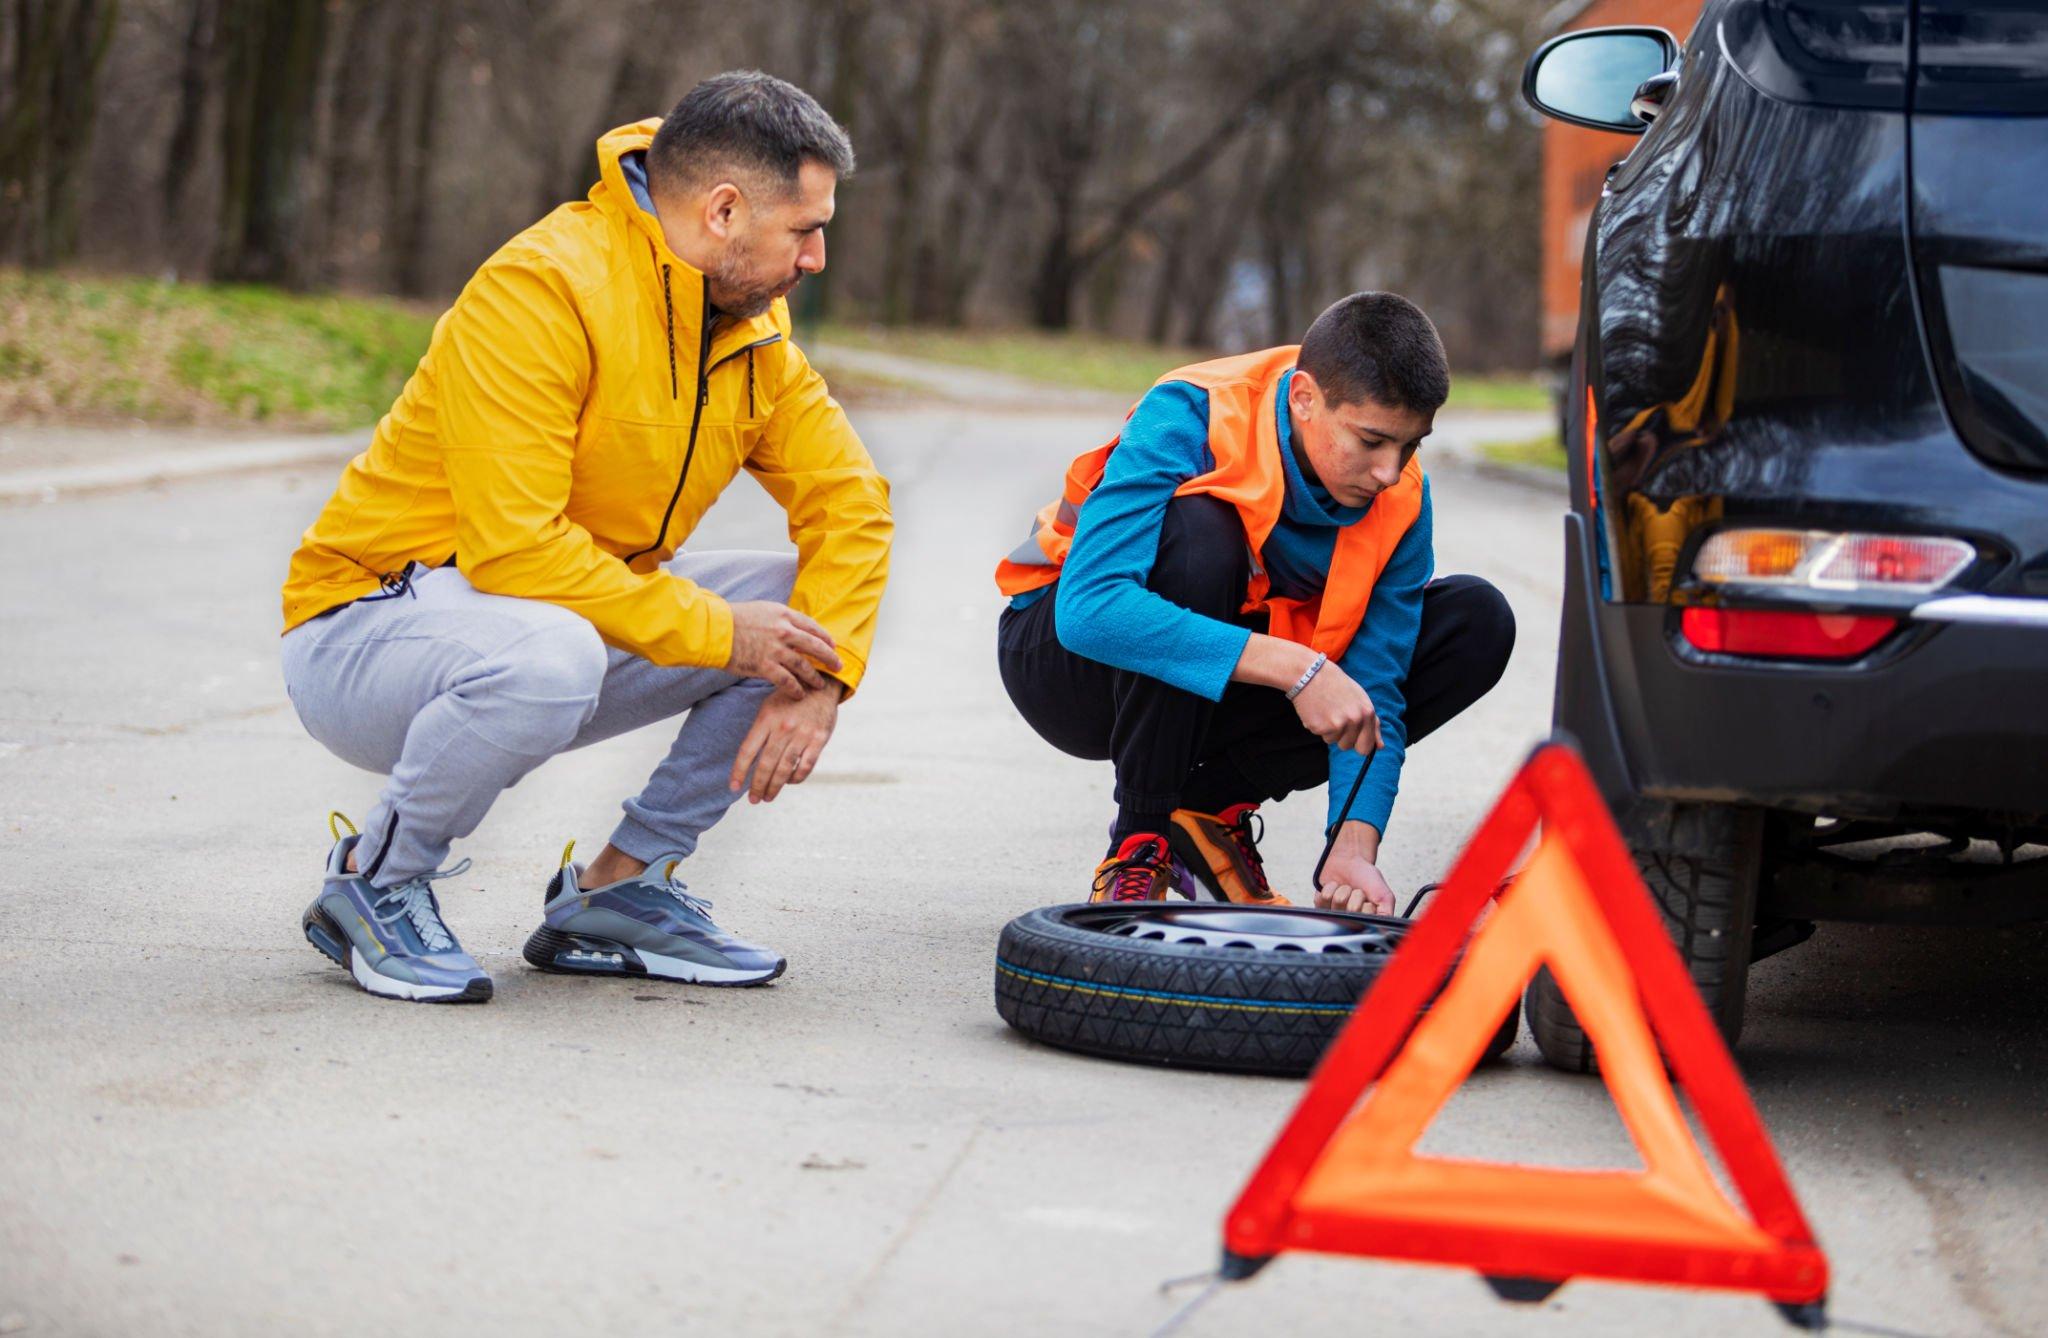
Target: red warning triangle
(1347, 1182)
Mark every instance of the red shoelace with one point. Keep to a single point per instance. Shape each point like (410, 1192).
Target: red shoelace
(1239, 820)
(1131, 875)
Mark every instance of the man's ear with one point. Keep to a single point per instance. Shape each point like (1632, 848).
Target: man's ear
(723, 205)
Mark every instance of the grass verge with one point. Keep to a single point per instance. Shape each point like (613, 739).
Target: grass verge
(1499, 391)
(86, 348)
(1100, 362)
(1077, 361)
(77, 348)
(1544, 452)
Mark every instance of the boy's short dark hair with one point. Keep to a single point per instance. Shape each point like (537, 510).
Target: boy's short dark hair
(1379, 347)
(745, 119)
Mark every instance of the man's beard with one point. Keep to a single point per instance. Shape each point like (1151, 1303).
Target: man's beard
(736, 291)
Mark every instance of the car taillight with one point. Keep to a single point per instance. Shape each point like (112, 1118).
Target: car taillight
(1822, 560)
(1782, 634)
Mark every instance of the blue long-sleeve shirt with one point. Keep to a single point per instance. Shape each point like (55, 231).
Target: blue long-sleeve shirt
(1105, 612)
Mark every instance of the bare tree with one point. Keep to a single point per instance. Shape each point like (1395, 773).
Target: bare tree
(273, 53)
(53, 53)
(1194, 171)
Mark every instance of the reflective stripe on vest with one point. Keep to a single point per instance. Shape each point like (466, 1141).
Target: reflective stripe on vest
(1244, 441)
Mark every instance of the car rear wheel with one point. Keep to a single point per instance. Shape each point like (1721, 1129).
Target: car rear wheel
(1702, 864)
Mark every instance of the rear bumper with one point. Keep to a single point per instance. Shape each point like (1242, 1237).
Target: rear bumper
(1946, 719)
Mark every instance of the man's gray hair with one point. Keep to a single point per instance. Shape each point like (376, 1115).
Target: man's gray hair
(744, 119)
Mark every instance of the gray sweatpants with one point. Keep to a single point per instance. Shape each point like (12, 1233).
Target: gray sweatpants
(456, 694)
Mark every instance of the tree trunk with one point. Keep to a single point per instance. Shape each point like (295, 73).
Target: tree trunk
(351, 215)
(849, 33)
(273, 65)
(643, 84)
(391, 134)
(46, 126)
(409, 223)
(1211, 273)
(972, 208)
(1173, 259)
(310, 259)
(1052, 291)
(196, 67)
(1279, 278)
(906, 234)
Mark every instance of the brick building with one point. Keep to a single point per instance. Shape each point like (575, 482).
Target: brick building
(1575, 160)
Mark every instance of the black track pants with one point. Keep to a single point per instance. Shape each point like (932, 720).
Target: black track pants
(1158, 735)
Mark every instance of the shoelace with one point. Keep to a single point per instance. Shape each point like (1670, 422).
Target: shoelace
(414, 899)
(1247, 838)
(1129, 879)
(680, 890)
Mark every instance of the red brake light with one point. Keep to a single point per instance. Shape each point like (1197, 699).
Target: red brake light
(1785, 635)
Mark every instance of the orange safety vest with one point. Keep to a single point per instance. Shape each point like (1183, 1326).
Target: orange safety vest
(1244, 439)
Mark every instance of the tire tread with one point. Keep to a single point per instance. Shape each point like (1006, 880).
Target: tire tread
(1701, 864)
(1089, 1005)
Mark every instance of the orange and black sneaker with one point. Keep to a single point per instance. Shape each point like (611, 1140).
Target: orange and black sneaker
(1222, 851)
(1140, 870)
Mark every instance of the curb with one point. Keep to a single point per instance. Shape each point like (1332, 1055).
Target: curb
(956, 384)
(49, 485)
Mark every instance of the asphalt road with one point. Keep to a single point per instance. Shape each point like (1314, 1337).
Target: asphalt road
(208, 1129)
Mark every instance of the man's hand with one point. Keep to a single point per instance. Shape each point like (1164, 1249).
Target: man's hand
(1351, 879)
(1336, 710)
(784, 744)
(775, 642)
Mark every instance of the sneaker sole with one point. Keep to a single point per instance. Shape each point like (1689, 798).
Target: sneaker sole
(550, 949)
(323, 934)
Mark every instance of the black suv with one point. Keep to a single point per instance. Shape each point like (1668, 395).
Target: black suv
(1805, 632)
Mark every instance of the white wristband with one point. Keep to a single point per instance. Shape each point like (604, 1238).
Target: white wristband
(1315, 666)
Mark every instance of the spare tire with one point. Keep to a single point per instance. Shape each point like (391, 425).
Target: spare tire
(1200, 986)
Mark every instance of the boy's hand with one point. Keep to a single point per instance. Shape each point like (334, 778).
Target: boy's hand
(1336, 710)
(1353, 884)
(787, 738)
(1351, 879)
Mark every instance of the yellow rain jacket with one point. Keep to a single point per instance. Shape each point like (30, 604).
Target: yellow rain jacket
(575, 415)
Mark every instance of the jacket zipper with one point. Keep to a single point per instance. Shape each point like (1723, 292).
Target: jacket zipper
(704, 370)
(748, 350)
(674, 390)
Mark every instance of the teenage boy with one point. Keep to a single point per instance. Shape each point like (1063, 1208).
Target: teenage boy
(1233, 600)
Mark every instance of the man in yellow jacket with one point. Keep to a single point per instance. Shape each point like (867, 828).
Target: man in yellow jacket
(496, 578)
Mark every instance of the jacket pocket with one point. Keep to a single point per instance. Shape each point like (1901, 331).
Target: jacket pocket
(624, 475)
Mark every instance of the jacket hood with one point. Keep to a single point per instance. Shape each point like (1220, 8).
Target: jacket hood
(614, 194)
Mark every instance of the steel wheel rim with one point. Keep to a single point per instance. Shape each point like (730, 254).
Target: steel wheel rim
(1293, 931)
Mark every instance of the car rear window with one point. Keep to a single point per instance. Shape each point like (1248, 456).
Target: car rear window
(1986, 56)
(1830, 53)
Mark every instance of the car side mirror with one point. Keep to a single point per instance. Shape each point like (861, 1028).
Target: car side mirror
(1592, 77)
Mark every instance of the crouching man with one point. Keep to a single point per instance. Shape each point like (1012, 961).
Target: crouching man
(496, 581)
(1233, 600)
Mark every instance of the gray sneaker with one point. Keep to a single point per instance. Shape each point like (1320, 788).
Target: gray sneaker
(392, 941)
(647, 925)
